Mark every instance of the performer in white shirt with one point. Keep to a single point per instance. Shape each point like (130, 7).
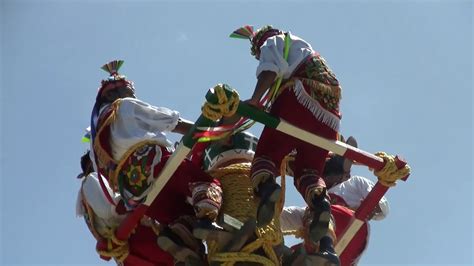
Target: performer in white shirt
(130, 148)
(102, 218)
(353, 191)
(302, 90)
(346, 192)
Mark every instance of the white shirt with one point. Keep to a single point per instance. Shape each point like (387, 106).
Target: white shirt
(291, 218)
(355, 190)
(272, 55)
(95, 198)
(137, 121)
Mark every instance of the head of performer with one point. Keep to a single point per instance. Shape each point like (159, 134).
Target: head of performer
(116, 86)
(337, 168)
(86, 165)
(257, 38)
(238, 148)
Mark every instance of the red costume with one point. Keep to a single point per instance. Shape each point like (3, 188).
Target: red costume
(130, 149)
(305, 93)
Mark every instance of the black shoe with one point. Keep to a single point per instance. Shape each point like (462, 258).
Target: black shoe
(319, 226)
(192, 261)
(289, 256)
(172, 243)
(240, 237)
(269, 193)
(325, 258)
(205, 228)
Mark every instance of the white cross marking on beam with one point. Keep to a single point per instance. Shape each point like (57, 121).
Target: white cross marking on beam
(252, 141)
(207, 156)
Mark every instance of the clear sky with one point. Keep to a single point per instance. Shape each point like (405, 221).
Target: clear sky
(405, 68)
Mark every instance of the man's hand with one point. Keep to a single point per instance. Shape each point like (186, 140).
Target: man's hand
(264, 82)
(183, 126)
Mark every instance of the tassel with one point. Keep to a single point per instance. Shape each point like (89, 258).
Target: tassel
(112, 67)
(315, 107)
(245, 32)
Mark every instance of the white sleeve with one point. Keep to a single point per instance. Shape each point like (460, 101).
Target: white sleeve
(271, 56)
(383, 203)
(96, 199)
(291, 218)
(148, 117)
(80, 211)
(364, 186)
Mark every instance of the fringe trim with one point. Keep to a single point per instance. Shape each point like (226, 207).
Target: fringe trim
(321, 114)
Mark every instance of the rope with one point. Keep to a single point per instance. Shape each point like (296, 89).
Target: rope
(117, 249)
(283, 170)
(240, 203)
(229, 259)
(390, 173)
(298, 233)
(225, 106)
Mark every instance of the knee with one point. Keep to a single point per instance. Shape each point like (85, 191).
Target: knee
(262, 169)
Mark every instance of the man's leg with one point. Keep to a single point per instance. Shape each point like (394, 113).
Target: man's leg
(271, 149)
(309, 166)
(313, 189)
(322, 252)
(177, 239)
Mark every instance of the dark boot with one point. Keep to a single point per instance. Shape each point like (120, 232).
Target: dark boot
(269, 193)
(203, 228)
(326, 255)
(323, 258)
(321, 216)
(290, 257)
(175, 246)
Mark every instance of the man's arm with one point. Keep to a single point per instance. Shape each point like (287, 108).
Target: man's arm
(264, 82)
(183, 126)
(365, 185)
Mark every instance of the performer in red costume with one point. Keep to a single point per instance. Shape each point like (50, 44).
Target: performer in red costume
(346, 192)
(302, 90)
(102, 217)
(130, 148)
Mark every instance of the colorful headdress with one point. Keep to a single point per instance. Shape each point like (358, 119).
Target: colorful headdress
(115, 80)
(257, 38)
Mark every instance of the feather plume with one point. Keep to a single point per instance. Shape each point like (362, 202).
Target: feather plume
(245, 32)
(112, 67)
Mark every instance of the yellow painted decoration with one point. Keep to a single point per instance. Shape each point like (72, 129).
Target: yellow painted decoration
(390, 173)
(225, 107)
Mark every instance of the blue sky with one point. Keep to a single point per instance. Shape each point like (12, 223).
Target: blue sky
(405, 68)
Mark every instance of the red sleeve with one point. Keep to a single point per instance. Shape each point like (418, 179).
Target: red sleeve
(188, 172)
